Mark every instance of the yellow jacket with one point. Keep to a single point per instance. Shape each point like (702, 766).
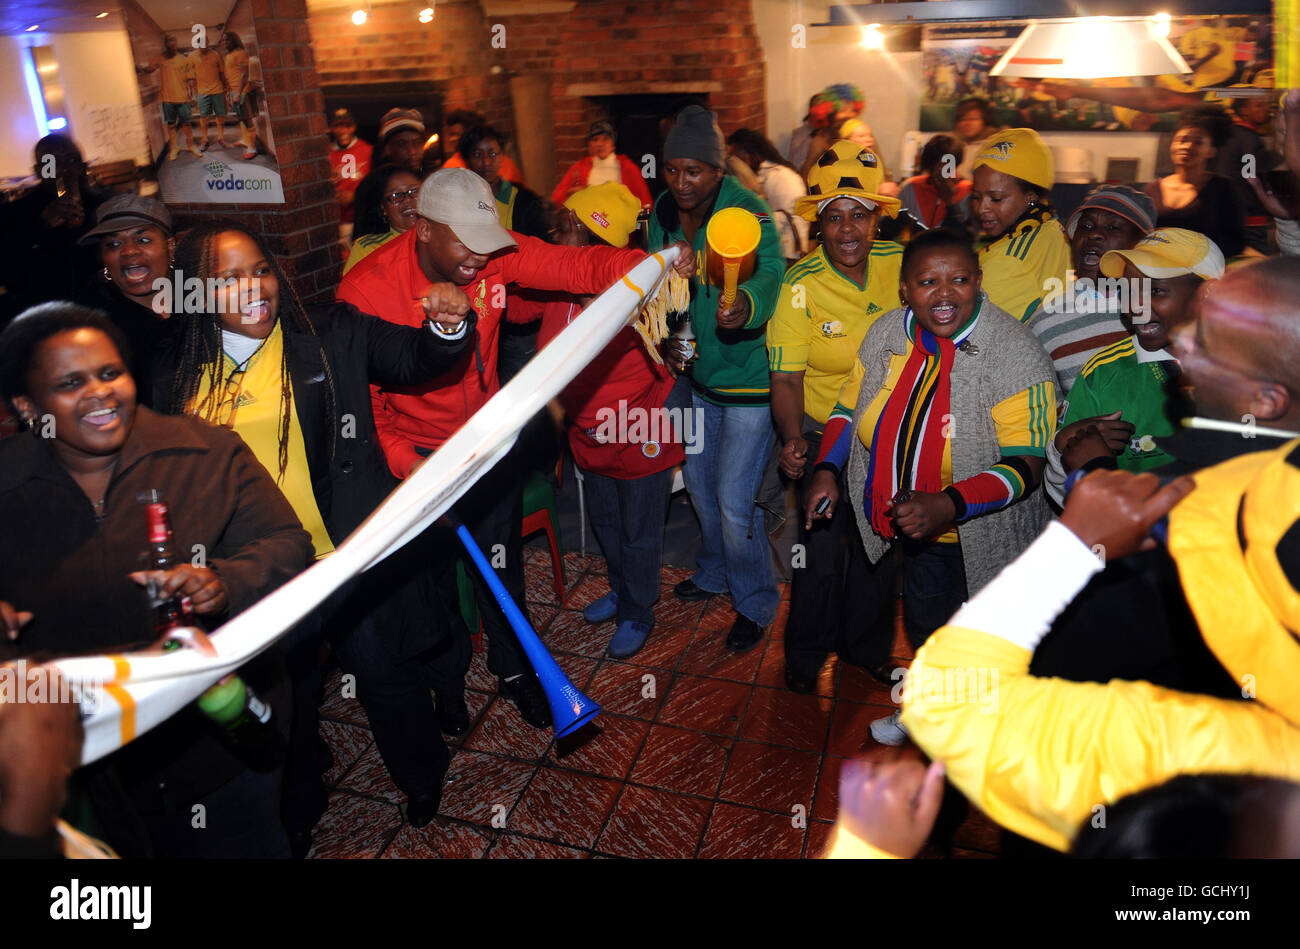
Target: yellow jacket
(1040, 756)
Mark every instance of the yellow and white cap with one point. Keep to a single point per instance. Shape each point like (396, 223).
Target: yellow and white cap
(845, 170)
(1020, 153)
(609, 211)
(1167, 252)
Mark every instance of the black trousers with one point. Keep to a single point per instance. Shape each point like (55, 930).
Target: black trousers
(493, 510)
(836, 602)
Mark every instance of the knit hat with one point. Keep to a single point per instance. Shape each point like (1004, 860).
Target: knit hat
(600, 128)
(696, 135)
(463, 201)
(127, 210)
(1167, 252)
(397, 120)
(845, 170)
(1021, 154)
(1130, 204)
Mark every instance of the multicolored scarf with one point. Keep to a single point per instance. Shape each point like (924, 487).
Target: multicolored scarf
(908, 442)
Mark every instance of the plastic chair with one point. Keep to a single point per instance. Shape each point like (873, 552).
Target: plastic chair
(541, 514)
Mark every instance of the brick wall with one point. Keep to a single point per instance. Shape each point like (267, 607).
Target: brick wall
(616, 45)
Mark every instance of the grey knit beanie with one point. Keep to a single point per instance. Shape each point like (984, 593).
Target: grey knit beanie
(696, 135)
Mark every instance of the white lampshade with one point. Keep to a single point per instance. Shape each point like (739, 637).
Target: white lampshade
(1095, 47)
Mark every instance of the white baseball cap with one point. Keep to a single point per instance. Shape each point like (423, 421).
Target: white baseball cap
(463, 201)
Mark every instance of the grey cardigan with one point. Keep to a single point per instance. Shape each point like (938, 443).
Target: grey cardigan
(1004, 358)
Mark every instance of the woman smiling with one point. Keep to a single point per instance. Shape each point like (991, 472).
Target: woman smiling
(1025, 245)
(827, 302)
(941, 432)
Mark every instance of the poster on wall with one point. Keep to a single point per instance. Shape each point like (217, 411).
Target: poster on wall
(200, 80)
(1223, 51)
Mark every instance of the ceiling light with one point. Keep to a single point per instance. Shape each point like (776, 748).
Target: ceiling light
(1095, 47)
(426, 15)
(358, 17)
(872, 38)
(1160, 24)
(100, 16)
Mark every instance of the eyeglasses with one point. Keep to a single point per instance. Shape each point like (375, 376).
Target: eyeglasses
(396, 197)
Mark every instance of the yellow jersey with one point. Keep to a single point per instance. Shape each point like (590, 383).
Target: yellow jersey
(821, 317)
(1018, 265)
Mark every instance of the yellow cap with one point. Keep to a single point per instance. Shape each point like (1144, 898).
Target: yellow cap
(1021, 154)
(609, 211)
(846, 170)
(1236, 542)
(1167, 252)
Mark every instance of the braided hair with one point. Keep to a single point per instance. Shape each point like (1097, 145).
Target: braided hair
(200, 346)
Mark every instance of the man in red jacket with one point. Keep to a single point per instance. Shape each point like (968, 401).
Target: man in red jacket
(601, 166)
(459, 239)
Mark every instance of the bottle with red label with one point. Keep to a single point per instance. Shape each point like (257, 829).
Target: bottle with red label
(168, 611)
(244, 719)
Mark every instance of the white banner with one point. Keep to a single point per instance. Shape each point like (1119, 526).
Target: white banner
(125, 695)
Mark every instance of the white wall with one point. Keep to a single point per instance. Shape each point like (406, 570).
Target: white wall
(891, 83)
(100, 91)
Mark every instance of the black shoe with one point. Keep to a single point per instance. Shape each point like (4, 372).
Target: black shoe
(797, 681)
(745, 634)
(299, 844)
(687, 590)
(423, 808)
(453, 714)
(526, 692)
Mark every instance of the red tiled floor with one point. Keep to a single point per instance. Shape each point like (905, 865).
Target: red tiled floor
(628, 690)
(718, 615)
(569, 632)
(771, 672)
(591, 588)
(819, 835)
(679, 760)
(699, 752)
(770, 777)
(858, 685)
(787, 718)
(707, 655)
(850, 727)
(355, 827)
(564, 806)
(664, 648)
(347, 743)
(609, 753)
(369, 778)
(512, 847)
(479, 787)
(341, 708)
(742, 832)
(670, 611)
(652, 823)
(503, 731)
(707, 705)
(442, 839)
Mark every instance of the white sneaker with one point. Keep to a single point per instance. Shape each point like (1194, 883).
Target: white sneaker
(889, 731)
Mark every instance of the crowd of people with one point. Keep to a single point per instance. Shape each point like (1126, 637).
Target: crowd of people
(965, 395)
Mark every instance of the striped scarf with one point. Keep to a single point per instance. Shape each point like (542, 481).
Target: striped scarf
(908, 442)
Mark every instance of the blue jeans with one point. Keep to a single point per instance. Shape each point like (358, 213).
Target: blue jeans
(723, 480)
(627, 516)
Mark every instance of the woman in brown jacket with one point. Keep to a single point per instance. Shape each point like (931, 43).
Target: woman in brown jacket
(71, 536)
